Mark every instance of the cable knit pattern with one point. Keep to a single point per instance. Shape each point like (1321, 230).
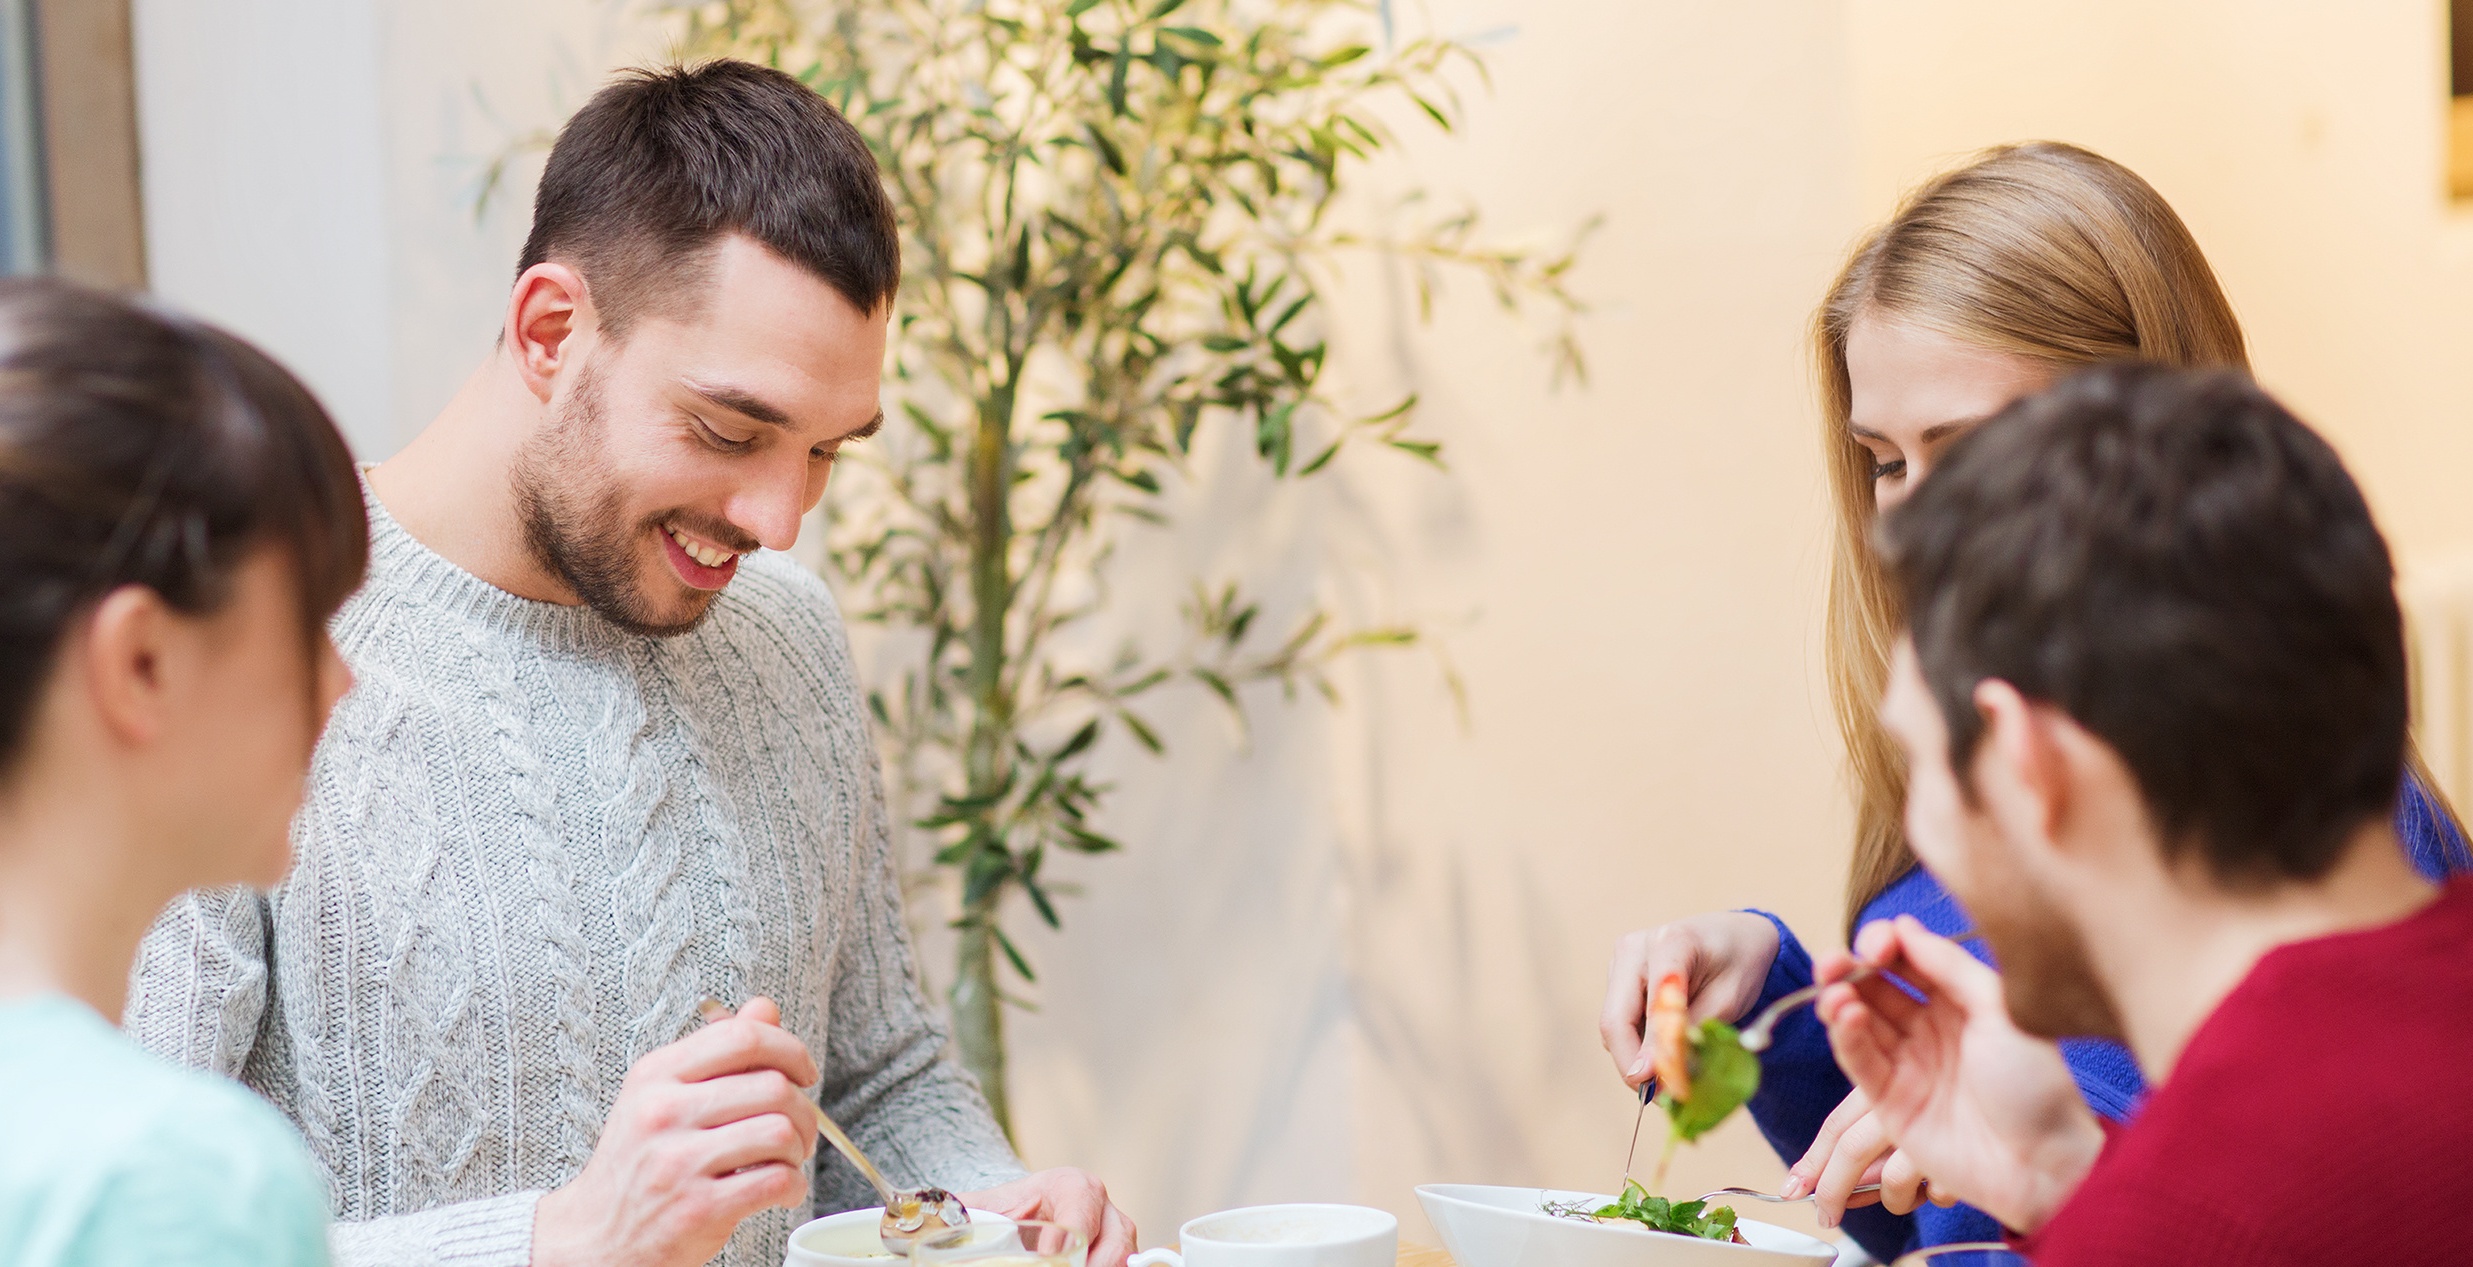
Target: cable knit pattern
(532, 842)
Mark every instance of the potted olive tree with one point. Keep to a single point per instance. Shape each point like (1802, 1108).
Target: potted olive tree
(1117, 229)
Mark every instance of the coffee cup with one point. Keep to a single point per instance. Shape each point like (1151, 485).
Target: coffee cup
(1283, 1236)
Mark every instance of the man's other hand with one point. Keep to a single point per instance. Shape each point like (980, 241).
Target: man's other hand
(1074, 1198)
(1988, 1112)
(705, 1132)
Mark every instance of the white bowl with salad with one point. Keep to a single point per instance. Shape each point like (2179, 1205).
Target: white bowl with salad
(1704, 1073)
(1484, 1225)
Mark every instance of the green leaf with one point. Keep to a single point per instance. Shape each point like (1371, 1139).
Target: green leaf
(1013, 953)
(1080, 7)
(1724, 1075)
(1681, 1218)
(1039, 899)
(1275, 438)
(1290, 314)
(1399, 410)
(1193, 34)
(1143, 683)
(1321, 460)
(1108, 153)
(1088, 841)
(1226, 343)
(1142, 732)
(1163, 9)
(1082, 739)
(989, 870)
(1188, 417)
(1343, 56)
(1219, 686)
(1424, 450)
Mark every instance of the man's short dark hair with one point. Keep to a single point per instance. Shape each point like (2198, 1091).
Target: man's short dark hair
(2185, 569)
(649, 175)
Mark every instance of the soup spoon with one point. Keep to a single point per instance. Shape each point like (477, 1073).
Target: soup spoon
(908, 1215)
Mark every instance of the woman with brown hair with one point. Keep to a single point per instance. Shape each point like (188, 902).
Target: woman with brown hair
(178, 519)
(1990, 281)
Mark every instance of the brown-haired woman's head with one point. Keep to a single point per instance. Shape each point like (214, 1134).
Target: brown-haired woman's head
(178, 519)
(1989, 282)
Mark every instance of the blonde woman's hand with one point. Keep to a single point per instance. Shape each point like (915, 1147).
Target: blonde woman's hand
(1850, 1151)
(1722, 957)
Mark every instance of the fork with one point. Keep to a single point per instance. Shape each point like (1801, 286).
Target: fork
(1774, 1199)
(1756, 1036)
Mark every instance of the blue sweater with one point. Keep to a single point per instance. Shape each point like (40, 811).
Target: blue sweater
(1800, 1082)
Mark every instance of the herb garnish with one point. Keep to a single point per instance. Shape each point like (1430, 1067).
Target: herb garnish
(1682, 1218)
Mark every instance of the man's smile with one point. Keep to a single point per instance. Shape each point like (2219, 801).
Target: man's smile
(698, 562)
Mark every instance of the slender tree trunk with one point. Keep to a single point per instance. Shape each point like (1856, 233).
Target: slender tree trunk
(978, 1006)
(979, 1020)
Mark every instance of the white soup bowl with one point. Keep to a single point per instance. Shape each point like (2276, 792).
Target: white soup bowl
(848, 1239)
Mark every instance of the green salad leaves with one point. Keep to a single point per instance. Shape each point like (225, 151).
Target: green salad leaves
(1683, 1218)
(1724, 1075)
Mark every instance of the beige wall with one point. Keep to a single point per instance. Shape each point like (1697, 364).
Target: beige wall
(2305, 144)
(1629, 576)
(1367, 951)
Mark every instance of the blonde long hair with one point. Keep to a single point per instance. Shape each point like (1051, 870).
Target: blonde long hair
(2044, 251)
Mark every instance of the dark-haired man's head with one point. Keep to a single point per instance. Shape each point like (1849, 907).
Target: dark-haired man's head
(2152, 633)
(701, 311)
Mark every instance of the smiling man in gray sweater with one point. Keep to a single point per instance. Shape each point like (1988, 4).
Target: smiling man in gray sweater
(606, 756)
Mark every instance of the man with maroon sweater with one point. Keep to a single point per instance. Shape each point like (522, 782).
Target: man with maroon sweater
(2153, 703)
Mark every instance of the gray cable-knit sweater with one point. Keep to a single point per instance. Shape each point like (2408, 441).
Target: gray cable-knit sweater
(532, 844)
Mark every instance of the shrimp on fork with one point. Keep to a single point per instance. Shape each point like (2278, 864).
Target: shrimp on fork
(1670, 1030)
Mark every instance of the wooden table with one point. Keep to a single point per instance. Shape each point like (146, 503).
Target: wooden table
(1423, 1256)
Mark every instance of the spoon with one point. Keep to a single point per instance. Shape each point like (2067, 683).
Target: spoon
(908, 1215)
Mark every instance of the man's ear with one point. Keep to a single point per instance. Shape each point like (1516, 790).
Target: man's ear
(123, 659)
(546, 310)
(2019, 771)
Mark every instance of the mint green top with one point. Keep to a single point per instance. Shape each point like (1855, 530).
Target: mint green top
(110, 1156)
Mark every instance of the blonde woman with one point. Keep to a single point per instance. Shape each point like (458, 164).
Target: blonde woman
(1989, 282)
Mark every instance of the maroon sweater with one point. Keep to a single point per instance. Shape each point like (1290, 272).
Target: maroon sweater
(2322, 1114)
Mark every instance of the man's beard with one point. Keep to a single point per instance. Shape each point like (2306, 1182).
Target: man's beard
(2047, 978)
(574, 524)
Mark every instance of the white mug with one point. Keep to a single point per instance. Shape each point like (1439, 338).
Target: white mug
(1283, 1236)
